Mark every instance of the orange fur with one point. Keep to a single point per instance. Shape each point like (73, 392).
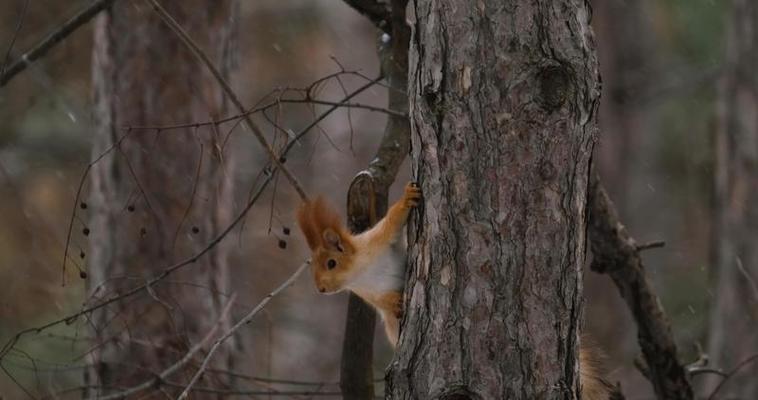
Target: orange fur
(332, 244)
(591, 375)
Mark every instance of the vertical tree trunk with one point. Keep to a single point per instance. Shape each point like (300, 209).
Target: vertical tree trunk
(368, 200)
(162, 195)
(503, 98)
(734, 319)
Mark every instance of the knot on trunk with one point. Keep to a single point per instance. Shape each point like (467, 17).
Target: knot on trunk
(555, 86)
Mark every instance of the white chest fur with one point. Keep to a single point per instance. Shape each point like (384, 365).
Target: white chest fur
(379, 273)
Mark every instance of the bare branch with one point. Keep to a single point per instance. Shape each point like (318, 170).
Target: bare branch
(39, 50)
(748, 278)
(11, 343)
(176, 28)
(615, 253)
(731, 373)
(161, 377)
(379, 12)
(14, 37)
(244, 321)
(656, 244)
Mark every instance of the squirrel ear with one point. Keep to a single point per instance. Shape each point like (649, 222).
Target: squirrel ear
(306, 225)
(332, 240)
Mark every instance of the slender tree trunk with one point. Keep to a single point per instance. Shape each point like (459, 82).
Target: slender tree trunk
(734, 321)
(503, 98)
(367, 203)
(161, 195)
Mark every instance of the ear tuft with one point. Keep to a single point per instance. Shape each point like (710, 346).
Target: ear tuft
(305, 221)
(322, 226)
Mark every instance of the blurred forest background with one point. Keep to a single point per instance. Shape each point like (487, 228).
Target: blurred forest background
(660, 61)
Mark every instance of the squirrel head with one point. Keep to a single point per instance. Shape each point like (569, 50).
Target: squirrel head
(332, 249)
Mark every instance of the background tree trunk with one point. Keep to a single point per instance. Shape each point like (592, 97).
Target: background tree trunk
(734, 316)
(368, 201)
(624, 52)
(161, 196)
(503, 99)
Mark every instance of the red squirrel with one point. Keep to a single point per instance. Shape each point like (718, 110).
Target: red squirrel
(370, 265)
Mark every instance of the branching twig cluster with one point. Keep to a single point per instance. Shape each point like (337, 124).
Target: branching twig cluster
(268, 175)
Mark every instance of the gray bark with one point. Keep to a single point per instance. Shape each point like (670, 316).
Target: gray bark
(735, 233)
(503, 98)
(162, 195)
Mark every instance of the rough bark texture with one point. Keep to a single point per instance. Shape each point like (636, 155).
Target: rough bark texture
(161, 195)
(503, 98)
(615, 253)
(735, 311)
(368, 202)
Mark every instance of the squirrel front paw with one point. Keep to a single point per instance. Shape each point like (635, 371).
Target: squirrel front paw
(412, 194)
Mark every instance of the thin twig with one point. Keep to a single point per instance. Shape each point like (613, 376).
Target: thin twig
(731, 373)
(275, 103)
(748, 278)
(176, 28)
(10, 343)
(81, 18)
(651, 245)
(238, 325)
(16, 31)
(161, 377)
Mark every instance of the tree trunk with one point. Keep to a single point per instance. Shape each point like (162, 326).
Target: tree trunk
(735, 312)
(503, 98)
(367, 203)
(161, 195)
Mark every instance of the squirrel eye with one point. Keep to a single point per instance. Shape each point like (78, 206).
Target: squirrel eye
(331, 263)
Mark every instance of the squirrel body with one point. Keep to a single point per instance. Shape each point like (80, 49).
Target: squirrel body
(369, 264)
(372, 266)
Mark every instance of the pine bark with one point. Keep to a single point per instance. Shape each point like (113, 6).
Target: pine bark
(503, 100)
(735, 309)
(161, 195)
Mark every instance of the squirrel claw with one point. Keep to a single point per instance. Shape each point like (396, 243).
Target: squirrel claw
(412, 194)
